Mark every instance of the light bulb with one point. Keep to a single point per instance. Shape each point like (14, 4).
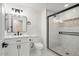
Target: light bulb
(66, 5)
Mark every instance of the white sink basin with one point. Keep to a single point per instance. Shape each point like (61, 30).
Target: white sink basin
(20, 36)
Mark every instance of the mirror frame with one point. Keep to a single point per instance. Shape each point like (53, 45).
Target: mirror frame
(7, 23)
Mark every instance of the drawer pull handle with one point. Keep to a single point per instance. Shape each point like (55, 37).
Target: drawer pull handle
(18, 41)
(18, 46)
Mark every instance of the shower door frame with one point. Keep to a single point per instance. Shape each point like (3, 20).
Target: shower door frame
(48, 25)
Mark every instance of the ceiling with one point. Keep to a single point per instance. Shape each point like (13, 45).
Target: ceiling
(41, 6)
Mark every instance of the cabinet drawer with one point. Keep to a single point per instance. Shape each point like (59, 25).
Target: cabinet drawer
(10, 41)
(24, 40)
(17, 40)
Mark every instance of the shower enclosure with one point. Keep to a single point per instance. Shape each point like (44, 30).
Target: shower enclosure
(63, 32)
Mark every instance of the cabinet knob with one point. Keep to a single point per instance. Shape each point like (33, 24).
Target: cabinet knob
(30, 39)
(18, 46)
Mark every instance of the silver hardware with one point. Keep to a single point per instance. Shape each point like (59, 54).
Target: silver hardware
(18, 41)
(32, 44)
(18, 46)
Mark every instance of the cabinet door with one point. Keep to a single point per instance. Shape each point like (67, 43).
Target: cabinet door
(25, 49)
(11, 50)
(1, 51)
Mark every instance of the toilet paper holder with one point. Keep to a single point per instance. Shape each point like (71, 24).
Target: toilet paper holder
(4, 45)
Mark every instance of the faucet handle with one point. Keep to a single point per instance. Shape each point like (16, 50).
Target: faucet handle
(20, 33)
(15, 34)
(30, 39)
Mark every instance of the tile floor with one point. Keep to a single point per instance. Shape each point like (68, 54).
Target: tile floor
(48, 53)
(43, 53)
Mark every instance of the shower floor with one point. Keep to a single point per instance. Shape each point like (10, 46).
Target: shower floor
(65, 52)
(46, 52)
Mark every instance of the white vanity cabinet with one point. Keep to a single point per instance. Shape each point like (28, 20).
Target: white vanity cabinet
(25, 49)
(11, 50)
(0, 50)
(17, 47)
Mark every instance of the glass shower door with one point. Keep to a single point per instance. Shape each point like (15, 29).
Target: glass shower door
(63, 36)
(54, 37)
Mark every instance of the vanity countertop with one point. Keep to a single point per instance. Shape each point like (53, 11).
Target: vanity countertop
(27, 36)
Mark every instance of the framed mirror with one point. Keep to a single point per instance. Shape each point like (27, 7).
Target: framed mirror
(15, 23)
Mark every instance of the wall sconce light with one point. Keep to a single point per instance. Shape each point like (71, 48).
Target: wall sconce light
(12, 8)
(28, 23)
(21, 10)
(17, 10)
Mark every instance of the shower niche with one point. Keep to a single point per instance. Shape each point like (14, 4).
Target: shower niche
(15, 23)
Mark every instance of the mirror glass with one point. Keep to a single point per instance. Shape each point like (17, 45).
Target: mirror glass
(15, 23)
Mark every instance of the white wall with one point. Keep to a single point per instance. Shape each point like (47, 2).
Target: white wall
(44, 15)
(49, 12)
(43, 26)
(1, 27)
(0, 21)
(32, 15)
